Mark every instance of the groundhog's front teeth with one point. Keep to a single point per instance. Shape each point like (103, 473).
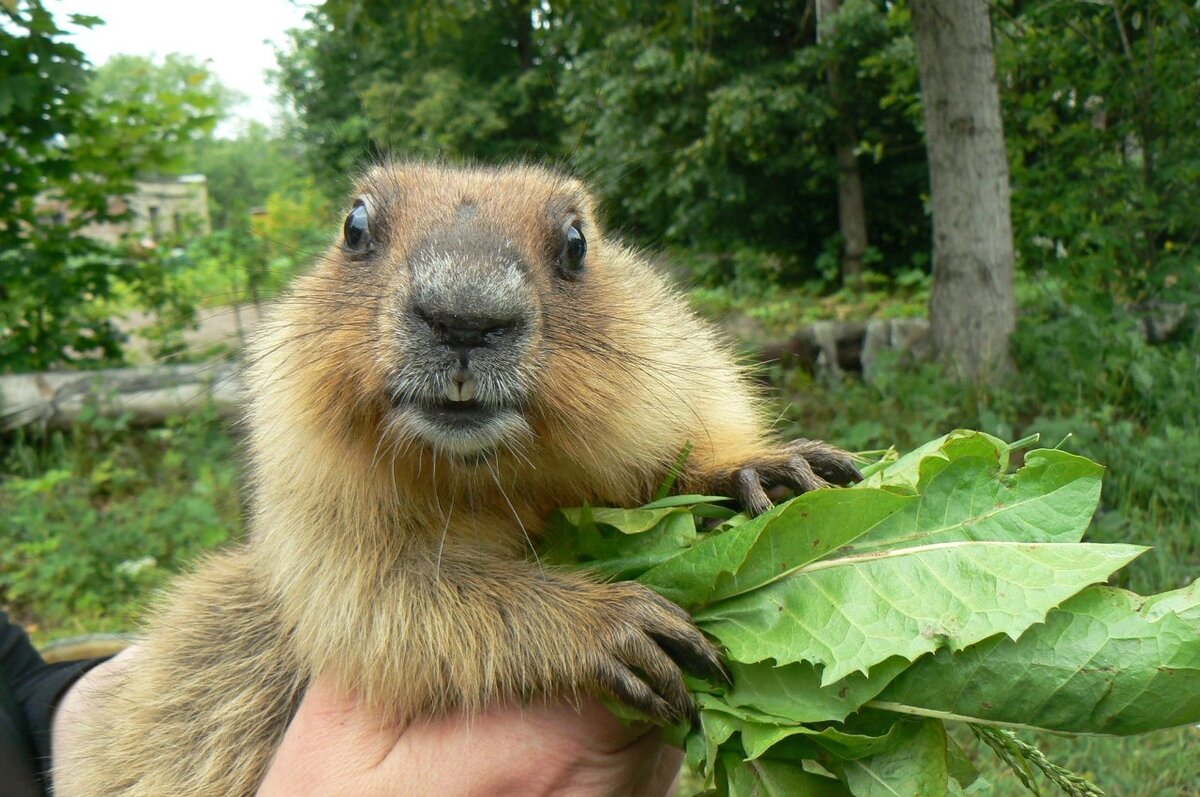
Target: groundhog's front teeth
(462, 387)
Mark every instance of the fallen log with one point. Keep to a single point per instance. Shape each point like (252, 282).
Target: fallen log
(839, 346)
(147, 394)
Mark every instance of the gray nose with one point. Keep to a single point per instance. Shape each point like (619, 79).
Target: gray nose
(462, 333)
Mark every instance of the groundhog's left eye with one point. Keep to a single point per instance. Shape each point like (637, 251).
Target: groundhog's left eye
(570, 263)
(356, 232)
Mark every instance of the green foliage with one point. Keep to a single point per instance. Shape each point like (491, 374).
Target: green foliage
(1163, 762)
(718, 131)
(698, 124)
(1023, 758)
(97, 516)
(50, 282)
(756, 311)
(244, 171)
(1040, 679)
(48, 274)
(1099, 104)
(296, 222)
(857, 622)
(1088, 373)
(1086, 379)
(39, 100)
(74, 142)
(712, 126)
(455, 80)
(243, 262)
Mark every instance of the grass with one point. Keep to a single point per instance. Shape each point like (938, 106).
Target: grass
(1160, 764)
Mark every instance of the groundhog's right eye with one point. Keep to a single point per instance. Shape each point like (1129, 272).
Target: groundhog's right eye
(356, 232)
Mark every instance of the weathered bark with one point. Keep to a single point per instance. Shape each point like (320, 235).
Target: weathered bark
(852, 209)
(972, 310)
(852, 215)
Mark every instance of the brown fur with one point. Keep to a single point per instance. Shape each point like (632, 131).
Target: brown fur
(405, 571)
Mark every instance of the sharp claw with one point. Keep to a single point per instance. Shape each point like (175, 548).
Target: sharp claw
(692, 655)
(654, 641)
(839, 470)
(828, 462)
(749, 491)
(621, 683)
(800, 476)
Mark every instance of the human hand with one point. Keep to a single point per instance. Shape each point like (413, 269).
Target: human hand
(73, 718)
(335, 746)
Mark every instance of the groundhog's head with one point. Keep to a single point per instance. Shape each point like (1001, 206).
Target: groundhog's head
(461, 294)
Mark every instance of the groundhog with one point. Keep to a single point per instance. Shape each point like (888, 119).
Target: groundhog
(470, 353)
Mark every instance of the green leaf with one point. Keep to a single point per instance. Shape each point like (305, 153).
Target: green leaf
(905, 472)
(768, 777)
(716, 728)
(758, 739)
(793, 693)
(664, 489)
(85, 20)
(684, 500)
(1107, 661)
(843, 608)
(619, 543)
(770, 546)
(853, 612)
(626, 521)
(1051, 499)
(915, 765)
(962, 770)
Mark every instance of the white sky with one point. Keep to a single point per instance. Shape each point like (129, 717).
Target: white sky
(234, 36)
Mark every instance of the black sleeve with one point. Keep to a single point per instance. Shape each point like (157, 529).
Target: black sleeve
(29, 691)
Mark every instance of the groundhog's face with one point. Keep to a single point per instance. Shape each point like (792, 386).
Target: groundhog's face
(461, 274)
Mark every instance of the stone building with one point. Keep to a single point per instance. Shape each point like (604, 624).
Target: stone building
(161, 208)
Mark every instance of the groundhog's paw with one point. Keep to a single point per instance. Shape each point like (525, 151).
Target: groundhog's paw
(801, 465)
(646, 644)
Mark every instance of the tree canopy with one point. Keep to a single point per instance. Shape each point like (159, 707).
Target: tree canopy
(700, 125)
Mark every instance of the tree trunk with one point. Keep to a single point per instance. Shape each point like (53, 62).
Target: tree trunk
(972, 311)
(852, 210)
(523, 32)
